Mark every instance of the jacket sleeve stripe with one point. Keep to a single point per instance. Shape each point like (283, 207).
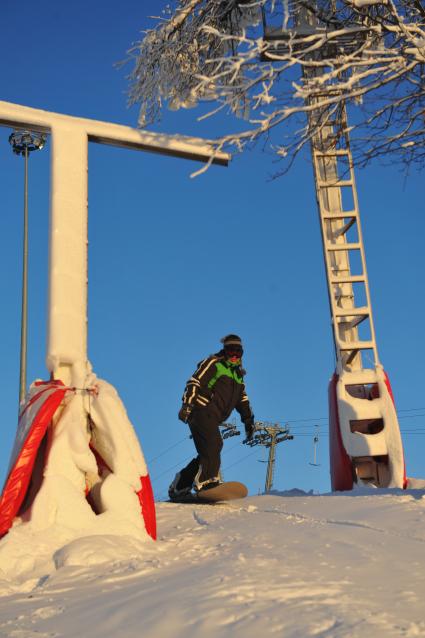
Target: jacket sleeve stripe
(198, 379)
(200, 374)
(191, 396)
(202, 401)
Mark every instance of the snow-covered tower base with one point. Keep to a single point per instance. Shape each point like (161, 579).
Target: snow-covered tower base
(77, 461)
(364, 437)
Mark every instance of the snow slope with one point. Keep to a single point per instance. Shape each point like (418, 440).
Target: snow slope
(288, 564)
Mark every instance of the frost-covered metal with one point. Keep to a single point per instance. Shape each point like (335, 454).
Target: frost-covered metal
(92, 449)
(365, 440)
(232, 53)
(70, 135)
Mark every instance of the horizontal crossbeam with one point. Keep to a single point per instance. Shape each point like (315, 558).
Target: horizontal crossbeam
(18, 116)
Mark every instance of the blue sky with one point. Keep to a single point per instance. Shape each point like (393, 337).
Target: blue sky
(175, 263)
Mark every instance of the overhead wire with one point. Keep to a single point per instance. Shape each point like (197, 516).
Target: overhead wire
(239, 461)
(298, 423)
(180, 463)
(186, 438)
(324, 418)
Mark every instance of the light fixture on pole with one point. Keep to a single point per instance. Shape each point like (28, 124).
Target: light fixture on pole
(23, 143)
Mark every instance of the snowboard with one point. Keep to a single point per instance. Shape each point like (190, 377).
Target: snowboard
(227, 491)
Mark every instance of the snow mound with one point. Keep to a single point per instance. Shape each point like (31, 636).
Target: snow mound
(26, 554)
(295, 491)
(416, 484)
(105, 549)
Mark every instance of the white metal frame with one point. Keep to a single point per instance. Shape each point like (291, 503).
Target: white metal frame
(336, 221)
(70, 135)
(365, 440)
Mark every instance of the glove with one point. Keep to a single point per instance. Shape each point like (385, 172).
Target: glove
(249, 428)
(184, 412)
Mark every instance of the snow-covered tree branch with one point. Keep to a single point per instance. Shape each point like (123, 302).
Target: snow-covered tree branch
(277, 61)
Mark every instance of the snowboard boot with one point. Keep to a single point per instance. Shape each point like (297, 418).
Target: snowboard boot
(177, 489)
(200, 486)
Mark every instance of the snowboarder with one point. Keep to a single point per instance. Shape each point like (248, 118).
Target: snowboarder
(214, 390)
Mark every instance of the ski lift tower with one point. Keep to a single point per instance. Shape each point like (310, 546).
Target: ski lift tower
(364, 437)
(269, 435)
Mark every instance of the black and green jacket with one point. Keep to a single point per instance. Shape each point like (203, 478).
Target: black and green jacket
(219, 386)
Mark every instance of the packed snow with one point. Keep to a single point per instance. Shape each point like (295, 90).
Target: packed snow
(285, 564)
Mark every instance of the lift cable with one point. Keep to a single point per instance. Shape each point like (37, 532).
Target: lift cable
(227, 430)
(239, 461)
(186, 438)
(303, 434)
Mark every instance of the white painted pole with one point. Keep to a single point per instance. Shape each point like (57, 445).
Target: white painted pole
(67, 307)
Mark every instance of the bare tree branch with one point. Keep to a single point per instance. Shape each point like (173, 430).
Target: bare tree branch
(275, 61)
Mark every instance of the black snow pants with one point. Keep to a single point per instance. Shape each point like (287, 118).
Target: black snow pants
(208, 442)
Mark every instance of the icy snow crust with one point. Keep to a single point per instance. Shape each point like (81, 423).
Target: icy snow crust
(290, 564)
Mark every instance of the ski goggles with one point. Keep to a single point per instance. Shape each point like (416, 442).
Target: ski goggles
(233, 352)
